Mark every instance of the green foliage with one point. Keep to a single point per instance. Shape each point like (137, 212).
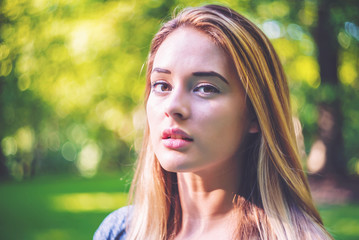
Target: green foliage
(72, 76)
(71, 82)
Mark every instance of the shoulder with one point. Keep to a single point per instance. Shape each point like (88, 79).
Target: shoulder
(113, 227)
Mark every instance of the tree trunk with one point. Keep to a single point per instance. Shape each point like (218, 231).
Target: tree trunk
(330, 115)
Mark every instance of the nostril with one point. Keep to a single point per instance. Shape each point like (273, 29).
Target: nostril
(179, 115)
(175, 115)
(177, 110)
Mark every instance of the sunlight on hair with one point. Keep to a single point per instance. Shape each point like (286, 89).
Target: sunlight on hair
(299, 136)
(88, 202)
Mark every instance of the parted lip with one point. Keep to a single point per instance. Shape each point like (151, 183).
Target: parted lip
(175, 133)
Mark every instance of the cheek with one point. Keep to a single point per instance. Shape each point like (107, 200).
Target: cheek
(224, 115)
(224, 126)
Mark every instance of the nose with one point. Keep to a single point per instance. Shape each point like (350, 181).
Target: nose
(178, 106)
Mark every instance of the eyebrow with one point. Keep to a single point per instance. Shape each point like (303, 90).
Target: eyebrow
(196, 74)
(210, 74)
(161, 70)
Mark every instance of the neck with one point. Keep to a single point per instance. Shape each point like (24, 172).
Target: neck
(207, 197)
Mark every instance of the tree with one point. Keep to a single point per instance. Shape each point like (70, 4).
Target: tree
(71, 83)
(332, 15)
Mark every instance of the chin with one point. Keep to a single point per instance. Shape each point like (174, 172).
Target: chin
(173, 161)
(171, 165)
(178, 166)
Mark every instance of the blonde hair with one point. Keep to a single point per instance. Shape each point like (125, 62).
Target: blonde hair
(274, 201)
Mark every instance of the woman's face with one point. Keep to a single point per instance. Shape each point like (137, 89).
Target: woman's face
(196, 109)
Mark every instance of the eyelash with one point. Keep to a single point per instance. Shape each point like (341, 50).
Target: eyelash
(161, 84)
(213, 89)
(155, 85)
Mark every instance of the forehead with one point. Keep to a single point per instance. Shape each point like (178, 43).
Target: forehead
(193, 49)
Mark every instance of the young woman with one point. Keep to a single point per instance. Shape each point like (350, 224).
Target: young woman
(219, 158)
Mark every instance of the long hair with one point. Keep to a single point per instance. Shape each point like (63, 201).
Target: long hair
(274, 201)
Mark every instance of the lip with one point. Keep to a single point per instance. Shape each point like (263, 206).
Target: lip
(175, 138)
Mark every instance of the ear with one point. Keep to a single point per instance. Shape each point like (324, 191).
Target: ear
(253, 127)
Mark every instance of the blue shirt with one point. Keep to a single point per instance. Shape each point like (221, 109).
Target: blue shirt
(113, 227)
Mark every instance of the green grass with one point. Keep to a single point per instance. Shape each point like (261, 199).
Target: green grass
(58, 207)
(61, 208)
(342, 221)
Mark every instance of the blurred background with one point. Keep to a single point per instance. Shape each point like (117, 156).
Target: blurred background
(71, 114)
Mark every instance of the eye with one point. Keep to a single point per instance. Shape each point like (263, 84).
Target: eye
(206, 89)
(161, 87)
